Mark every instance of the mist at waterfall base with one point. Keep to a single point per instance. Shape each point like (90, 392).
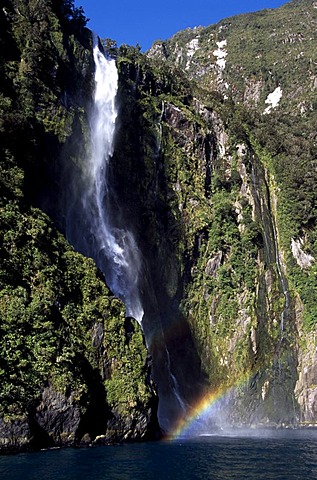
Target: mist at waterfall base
(274, 455)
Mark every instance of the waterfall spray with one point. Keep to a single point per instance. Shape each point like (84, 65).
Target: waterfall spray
(174, 384)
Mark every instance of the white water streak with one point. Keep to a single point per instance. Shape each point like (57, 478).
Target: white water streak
(277, 258)
(117, 253)
(174, 383)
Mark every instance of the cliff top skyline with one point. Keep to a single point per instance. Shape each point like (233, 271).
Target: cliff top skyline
(138, 23)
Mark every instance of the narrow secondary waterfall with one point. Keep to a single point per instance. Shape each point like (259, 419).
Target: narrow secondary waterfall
(274, 257)
(174, 384)
(95, 224)
(283, 281)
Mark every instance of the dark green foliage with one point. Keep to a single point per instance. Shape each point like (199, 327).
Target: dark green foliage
(51, 300)
(41, 308)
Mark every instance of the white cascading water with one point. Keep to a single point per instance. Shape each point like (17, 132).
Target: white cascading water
(277, 260)
(174, 384)
(114, 249)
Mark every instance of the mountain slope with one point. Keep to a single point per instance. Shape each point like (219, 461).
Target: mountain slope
(251, 294)
(249, 56)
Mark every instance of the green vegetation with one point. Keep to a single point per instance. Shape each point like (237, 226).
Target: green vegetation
(126, 388)
(52, 300)
(267, 49)
(46, 320)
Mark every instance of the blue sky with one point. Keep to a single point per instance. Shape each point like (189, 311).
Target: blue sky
(143, 22)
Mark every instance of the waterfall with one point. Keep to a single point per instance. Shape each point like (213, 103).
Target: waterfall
(96, 224)
(276, 258)
(116, 249)
(284, 285)
(174, 383)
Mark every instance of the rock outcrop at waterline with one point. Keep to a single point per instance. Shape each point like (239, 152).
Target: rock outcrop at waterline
(68, 417)
(74, 370)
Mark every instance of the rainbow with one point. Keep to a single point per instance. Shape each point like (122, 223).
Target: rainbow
(207, 408)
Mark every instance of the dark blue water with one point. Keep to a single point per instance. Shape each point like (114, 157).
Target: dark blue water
(279, 456)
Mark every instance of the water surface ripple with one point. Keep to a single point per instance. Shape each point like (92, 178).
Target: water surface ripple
(276, 456)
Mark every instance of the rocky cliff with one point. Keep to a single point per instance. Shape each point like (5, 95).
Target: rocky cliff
(228, 138)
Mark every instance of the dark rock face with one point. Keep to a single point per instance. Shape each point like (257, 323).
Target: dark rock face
(14, 434)
(140, 177)
(60, 420)
(59, 416)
